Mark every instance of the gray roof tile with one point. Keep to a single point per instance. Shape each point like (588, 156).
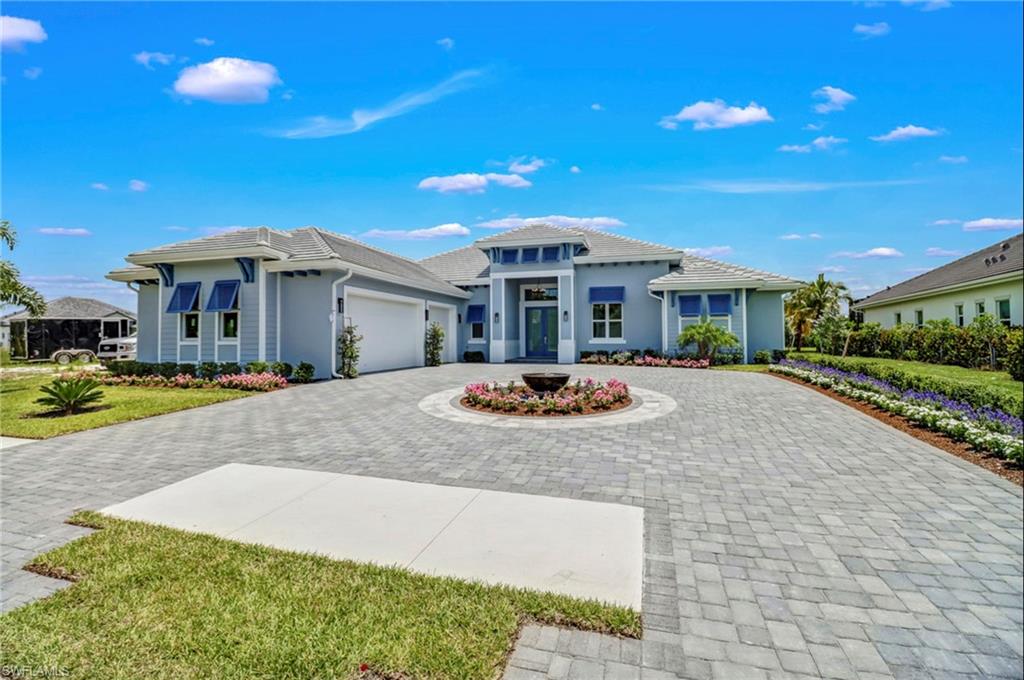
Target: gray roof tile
(599, 243)
(460, 265)
(74, 308)
(700, 271)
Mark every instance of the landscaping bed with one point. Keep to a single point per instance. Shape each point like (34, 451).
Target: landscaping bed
(584, 397)
(150, 601)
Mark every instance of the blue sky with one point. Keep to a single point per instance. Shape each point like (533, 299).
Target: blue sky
(867, 140)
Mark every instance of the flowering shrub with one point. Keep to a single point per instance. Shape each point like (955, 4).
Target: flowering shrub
(628, 359)
(983, 428)
(252, 382)
(580, 397)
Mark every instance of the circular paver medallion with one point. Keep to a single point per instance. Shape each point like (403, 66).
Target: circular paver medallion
(647, 405)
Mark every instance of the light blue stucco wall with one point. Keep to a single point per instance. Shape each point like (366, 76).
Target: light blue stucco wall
(767, 328)
(148, 312)
(737, 318)
(306, 306)
(641, 313)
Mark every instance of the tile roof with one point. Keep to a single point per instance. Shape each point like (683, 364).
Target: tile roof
(461, 265)
(699, 271)
(600, 243)
(1004, 257)
(74, 308)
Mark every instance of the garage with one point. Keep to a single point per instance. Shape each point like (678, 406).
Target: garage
(391, 326)
(445, 316)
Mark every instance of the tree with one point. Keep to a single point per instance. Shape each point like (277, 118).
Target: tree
(990, 332)
(434, 344)
(708, 337)
(12, 290)
(348, 352)
(816, 300)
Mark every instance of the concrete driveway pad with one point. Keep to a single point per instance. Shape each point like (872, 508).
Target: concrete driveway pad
(579, 548)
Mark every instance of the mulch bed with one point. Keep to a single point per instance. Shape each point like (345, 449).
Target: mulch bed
(961, 450)
(587, 410)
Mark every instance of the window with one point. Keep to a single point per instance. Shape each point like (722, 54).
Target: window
(550, 253)
(979, 308)
(190, 326)
(185, 298)
(229, 325)
(720, 310)
(607, 320)
(475, 317)
(958, 315)
(1003, 311)
(919, 318)
(509, 256)
(530, 255)
(111, 329)
(898, 318)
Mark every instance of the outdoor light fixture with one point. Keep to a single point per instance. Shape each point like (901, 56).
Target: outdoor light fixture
(341, 305)
(496, 317)
(565, 315)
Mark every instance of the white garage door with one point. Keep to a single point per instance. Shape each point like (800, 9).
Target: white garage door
(392, 332)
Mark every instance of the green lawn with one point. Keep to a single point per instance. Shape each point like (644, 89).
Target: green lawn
(20, 416)
(998, 380)
(743, 368)
(161, 603)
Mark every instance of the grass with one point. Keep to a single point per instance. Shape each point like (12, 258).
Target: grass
(997, 380)
(20, 416)
(161, 603)
(743, 368)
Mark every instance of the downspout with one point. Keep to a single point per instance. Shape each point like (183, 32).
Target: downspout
(664, 313)
(334, 322)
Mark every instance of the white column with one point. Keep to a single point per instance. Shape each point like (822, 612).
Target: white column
(567, 297)
(497, 305)
(746, 322)
(159, 318)
(261, 284)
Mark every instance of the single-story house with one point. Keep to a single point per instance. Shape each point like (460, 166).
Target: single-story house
(988, 281)
(68, 323)
(538, 293)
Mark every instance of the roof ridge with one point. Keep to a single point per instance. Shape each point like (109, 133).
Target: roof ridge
(448, 252)
(734, 266)
(317, 236)
(621, 237)
(321, 231)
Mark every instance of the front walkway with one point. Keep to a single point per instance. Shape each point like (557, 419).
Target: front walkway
(784, 532)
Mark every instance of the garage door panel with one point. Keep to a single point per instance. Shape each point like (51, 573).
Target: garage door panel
(391, 331)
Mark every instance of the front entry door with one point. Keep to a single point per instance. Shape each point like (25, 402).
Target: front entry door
(542, 331)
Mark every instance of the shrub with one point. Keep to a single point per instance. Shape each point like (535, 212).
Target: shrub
(1013, 360)
(304, 372)
(257, 367)
(229, 368)
(779, 354)
(124, 367)
(187, 369)
(829, 334)
(209, 370)
(434, 344)
(762, 356)
(708, 337)
(348, 352)
(281, 368)
(252, 382)
(167, 369)
(473, 357)
(69, 395)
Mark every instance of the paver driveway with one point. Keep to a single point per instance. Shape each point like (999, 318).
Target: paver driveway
(786, 534)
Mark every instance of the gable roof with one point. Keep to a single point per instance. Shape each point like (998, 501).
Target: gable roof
(74, 308)
(462, 266)
(997, 260)
(304, 245)
(600, 245)
(700, 272)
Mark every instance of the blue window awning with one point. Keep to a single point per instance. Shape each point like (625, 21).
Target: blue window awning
(475, 314)
(530, 255)
(550, 253)
(185, 298)
(224, 296)
(607, 294)
(689, 305)
(719, 305)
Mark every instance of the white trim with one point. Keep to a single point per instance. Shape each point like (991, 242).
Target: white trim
(954, 287)
(277, 310)
(337, 264)
(197, 341)
(159, 319)
(476, 341)
(261, 306)
(497, 298)
(594, 259)
(540, 274)
(451, 333)
(607, 322)
(606, 341)
(133, 275)
(662, 299)
(756, 284)
(219, 254)
(221, 340)
(746, 321)
(333, 306)
(554, 240)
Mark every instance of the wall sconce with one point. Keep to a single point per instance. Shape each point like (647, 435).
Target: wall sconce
(459, 317)
(565, 315)
(497, 317)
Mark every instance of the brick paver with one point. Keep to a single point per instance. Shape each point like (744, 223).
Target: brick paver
(786, 534)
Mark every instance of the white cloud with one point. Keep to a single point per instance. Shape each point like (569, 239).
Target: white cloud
(228, 80)
(471, 182)
(324, 126)
(138, 185)
(814, 127)
(777, 186)
(835, 98)
(205, 42)
(99, 186)
(715, 115)
(440, 231)
(905, 132)
(175, 227)
(596, 107)
(880, 252)
(832, 269)
(795, 148)
(927, 5)
(872, 30)
(147, 59)
(942, 252)
(522, 166)
(446, 43)
(32, 72)
(942, 223)
(814, 236)
(709, 251)
(554, 220)
(993, 224)
(953, 160)
(575, 169)
(790, 237)
(15, 32)
(819, 143)
(64, 231)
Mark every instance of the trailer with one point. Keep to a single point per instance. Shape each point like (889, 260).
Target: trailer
(71, 330)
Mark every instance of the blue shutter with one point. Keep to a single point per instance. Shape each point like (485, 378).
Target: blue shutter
(509, 256)
(607, 294)
(530, 255)
(719, 305)
(185, 297)
(550, 253)
(475, 314)
(224, 296)
(689, 305)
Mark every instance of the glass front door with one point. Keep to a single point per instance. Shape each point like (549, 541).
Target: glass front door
(542, 331)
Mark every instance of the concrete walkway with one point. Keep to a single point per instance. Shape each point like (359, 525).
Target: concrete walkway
(11, 442)
(785, 534)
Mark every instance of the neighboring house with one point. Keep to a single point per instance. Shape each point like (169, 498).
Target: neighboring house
(5, 334)
(69, 323)
(537, 293)
(989, 281)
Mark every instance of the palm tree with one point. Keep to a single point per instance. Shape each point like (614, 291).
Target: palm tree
(13, 291)
(816, 300)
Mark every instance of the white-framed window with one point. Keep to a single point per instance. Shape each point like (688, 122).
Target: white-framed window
(958, 314)
(979, 307)
(189, 329)
(723, 321)
(606, 320)
(476, 331)
(228, 326)
(898, 318)
(1003, 311)
(919, 318)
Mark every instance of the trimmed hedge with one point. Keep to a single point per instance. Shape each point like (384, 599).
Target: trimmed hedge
(937, 342)
(975, 395)
(207, 370)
